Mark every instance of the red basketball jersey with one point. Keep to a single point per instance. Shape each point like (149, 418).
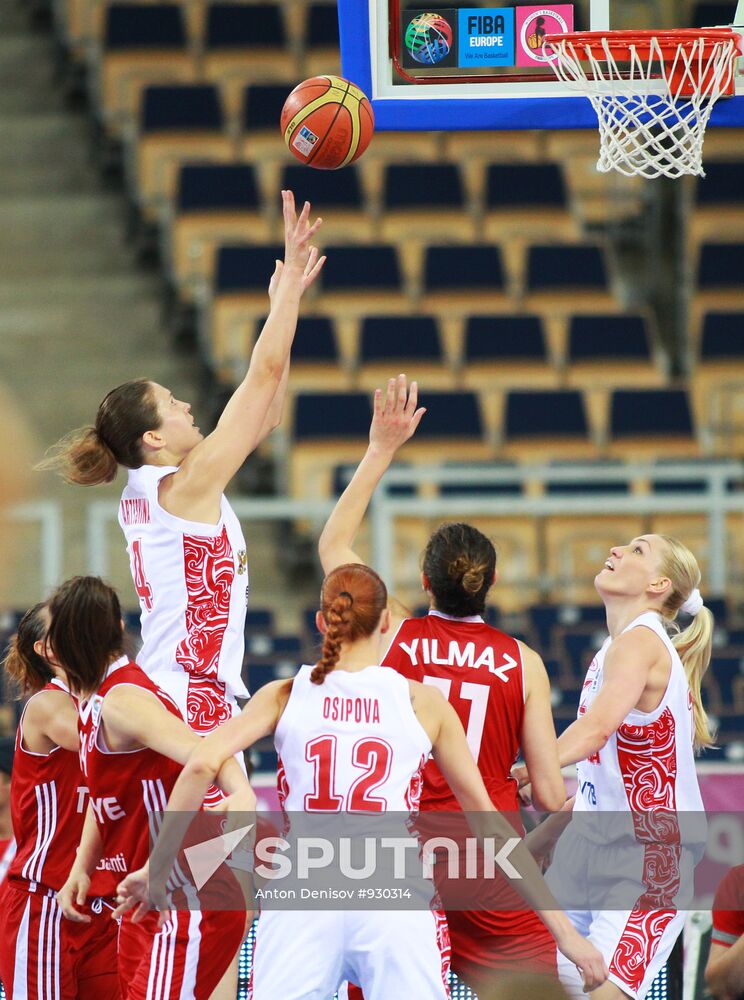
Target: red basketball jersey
(479, 670)
(125, 788)
(48, 801)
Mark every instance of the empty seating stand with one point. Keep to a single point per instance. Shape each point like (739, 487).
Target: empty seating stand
(539, 425)
(260, 111)
(720, 281)
(424, 201)
(215, 203)
(523, 202)
(717, 211)
(411, 344)
(717, 382)
(651, 423)
(566, 278)
(238, 296)
(142, 44)
(357, 279)
(246, 43)
(335, 195)
(467, 277)
(327, 429)
(321, 42)
(178, 124)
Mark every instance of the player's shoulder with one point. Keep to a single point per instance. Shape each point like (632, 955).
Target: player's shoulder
(730, 892)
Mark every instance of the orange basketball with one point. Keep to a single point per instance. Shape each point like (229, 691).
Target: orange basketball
(327, 122)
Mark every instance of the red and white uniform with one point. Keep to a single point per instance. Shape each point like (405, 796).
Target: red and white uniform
(187, 957)
(479, 670)
(192, 584)
(728, 908)
(42, 955)
(350, 744)
(644, 781)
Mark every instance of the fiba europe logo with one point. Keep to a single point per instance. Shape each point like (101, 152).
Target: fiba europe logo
(428, 38)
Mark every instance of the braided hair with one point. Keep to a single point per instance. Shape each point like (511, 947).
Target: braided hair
(352, 599)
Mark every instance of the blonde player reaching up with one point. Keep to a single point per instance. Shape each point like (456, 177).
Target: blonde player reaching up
(639, 722)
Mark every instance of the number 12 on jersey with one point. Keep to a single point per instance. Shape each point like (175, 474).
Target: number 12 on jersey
(477, 695)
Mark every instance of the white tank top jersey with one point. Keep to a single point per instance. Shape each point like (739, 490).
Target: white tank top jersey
(648, 764)
(192, 584)
(350, 744)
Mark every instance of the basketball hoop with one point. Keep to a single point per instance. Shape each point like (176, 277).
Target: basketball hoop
(653, 92)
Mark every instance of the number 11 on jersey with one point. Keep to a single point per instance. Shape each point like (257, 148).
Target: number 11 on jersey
(477, 695)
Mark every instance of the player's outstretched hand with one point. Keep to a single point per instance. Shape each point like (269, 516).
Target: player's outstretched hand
(73, 894)
(587, 959)
(312, 270)
(396, 417)
(298, 236)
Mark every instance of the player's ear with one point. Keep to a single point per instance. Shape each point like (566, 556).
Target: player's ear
(495, 577)
(385, 621)
(153, 440)
(320, 623)
(425, 583)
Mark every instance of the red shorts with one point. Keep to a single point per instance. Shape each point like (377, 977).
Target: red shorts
(43, 955)
(183, 960)
(501, 940)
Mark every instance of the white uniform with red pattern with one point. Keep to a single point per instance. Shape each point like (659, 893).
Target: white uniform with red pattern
(351, 744)
(646, 825)
(192, 583)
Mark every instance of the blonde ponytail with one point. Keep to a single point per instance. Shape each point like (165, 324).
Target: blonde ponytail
(693, 644)
(694, 648)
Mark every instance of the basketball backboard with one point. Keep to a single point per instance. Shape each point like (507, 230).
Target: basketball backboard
(470, 65)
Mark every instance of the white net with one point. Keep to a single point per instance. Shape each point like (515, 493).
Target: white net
(653, 96)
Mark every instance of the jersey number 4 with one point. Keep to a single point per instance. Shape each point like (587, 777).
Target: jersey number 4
(372, 754)
(143, 588)
(477, 695)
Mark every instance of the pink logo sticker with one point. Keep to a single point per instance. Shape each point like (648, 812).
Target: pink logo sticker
(533, 24)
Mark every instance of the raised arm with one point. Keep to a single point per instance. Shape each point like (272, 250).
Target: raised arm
(251, 412)
(394, 421)
(453, 757)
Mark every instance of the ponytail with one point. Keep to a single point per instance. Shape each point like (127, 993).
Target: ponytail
(459, 563)
(693, 644)
(82, 459)
(92, 455)
(29, 671)
(352, 600)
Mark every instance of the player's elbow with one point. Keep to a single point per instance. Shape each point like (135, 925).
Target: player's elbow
(549, 798)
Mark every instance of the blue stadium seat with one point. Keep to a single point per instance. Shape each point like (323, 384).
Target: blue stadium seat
(470, 269)
(321, 26)
(449, 415)
(722, 337)
(262, 106)
(245, 267)
(238, 25)
(142, 26)
(723, 183)
(654, 413)
(525, 185)
(260, 674)
(389, 344)
(504, 339)
(315, 342)
(349, 268)
(504, 351)
(543, 618)
(608, 337)
(566, 267)
(259, 620)
(217, 186)
(324, 188)
(725, 669)
(181, 107)
(719, 266)
(534, 416)
(342, 475)
(422, 185)
(692, 485)
(324, 415)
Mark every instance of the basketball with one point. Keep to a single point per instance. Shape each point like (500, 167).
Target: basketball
(327, 122)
